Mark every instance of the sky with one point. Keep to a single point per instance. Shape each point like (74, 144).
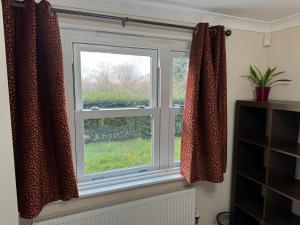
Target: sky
(90, 60)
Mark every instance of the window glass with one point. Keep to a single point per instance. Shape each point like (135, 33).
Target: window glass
(177, 138)
(114, 80)
(179, 77)
(117, 143)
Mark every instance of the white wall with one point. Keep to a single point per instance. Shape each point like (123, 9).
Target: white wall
(285, 53)
(8, 198)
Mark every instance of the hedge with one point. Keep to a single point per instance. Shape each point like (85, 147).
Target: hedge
(119, 129)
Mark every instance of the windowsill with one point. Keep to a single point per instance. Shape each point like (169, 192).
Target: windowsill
(89, 189)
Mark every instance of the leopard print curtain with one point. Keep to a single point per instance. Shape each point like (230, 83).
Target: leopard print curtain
(41, 138)
(204, 132)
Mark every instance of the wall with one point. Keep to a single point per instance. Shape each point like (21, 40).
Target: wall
(8, 198)
(285, 53)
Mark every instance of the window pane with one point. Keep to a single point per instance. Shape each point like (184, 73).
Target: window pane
(179, 77)
(115, 80)
(117, 143)
(177, 138)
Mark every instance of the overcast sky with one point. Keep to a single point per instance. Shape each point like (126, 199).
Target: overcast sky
(90, 60)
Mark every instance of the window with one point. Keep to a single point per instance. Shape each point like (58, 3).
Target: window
(180, 63)
(126, 97)
(179, 76)
(116, 110)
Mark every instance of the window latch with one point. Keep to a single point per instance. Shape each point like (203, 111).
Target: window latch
(95, 108)
(97, 178)
(179, 106)
(141, 107)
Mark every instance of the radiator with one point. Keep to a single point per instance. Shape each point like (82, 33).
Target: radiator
(175, 208)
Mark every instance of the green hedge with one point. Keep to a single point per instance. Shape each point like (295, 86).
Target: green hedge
(119, 129)
(110, 99)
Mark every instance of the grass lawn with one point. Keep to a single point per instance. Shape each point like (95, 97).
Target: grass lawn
(120, 154)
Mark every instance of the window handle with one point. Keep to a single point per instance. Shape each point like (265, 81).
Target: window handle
(97, 178)
(140, 107)
(178, 106)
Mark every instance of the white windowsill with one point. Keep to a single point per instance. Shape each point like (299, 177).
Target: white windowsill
(92, 188)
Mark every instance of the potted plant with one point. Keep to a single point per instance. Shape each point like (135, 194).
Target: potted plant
(264, 81)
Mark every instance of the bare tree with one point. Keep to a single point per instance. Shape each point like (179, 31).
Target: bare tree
(127, 75)
(103, 70)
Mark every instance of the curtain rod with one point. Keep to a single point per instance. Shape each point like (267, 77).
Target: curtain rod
(124, 20)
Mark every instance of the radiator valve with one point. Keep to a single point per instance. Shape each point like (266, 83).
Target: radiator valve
(197, 216)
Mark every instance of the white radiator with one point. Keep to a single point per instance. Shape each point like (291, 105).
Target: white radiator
(176, 208)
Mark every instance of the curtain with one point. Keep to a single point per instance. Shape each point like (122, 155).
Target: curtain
(41, 138)
(204, 132)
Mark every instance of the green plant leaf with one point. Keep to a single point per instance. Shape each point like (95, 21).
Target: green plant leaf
(266, 76)
(277, 74)
(261, 76)
(269, 75)
(280, 80)
(264, 79)
(251, 78)
(255, 76)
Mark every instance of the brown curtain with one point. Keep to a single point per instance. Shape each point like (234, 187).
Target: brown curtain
(204, 133)
(41, 138)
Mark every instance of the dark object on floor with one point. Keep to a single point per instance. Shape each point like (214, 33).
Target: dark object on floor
(223, 218)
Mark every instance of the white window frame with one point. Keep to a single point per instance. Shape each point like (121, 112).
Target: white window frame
(78, 47)
(82, 114)
(159, 110)
(174, 111)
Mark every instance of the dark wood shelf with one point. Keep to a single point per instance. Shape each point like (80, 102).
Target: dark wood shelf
(274, 104)
(289, 188)
(291, 149)
(244, 217)
(251, 208)
(257, 141)
(266, 153)
(289, 219)
(257, 175)
(249, 197)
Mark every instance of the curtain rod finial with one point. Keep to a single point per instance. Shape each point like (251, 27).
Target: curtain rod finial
(228, 33)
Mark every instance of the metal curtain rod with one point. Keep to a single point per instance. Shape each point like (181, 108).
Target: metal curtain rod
(124, 20)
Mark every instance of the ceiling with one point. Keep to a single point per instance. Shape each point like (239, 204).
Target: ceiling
(262, 10)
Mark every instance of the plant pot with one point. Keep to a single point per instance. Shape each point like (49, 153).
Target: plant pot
(262, 93)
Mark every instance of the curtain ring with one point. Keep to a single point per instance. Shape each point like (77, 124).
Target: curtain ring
(196, 30)
(213, 31)
(50, 10)
(124, 20)
(18, 4)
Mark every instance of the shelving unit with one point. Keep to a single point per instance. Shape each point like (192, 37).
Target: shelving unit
(266, 155)
(250, 162)
(248, 197)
